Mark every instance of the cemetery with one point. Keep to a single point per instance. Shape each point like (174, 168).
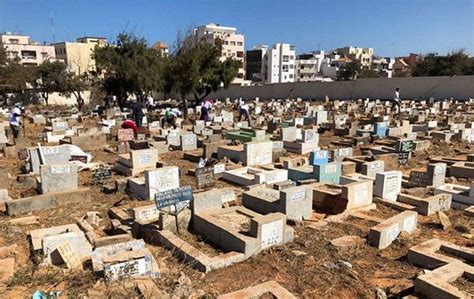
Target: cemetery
(316, 198)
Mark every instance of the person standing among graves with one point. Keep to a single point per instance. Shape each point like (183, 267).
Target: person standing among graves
(150, 102)
(244, 110)
(137, 111)
(15, 120)
(170, 117)
(397, 100)
(130, 124)
(205, 108)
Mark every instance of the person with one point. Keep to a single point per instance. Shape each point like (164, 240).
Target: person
(130, 124)
(170, 117)
(397, 99)
(15, 120)
(244, 110)
(150, 102)
(205, 108)
(137, 111)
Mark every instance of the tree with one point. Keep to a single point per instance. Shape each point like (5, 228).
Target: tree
(14, 77)
(130, 66)
(195, 67)
(367, 73)
(455, 63)
(349, 71)
(75, 84)
(51, 77)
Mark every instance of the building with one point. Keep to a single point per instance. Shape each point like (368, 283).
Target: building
(162, 48)
(79, 55)
(232, 44)
(383, 66)
(363, 55)
(255, 64)
(28, 52)
(308, 66)
(280, 63)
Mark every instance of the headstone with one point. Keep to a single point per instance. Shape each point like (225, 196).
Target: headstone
(328, 173)
(178, 197)
(204, 177)
(437, 173)
(371, 168)
(125, 135)
(388, 184)
(318, 157)
(58, 177)
(188, 142)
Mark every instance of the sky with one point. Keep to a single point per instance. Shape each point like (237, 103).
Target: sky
(392, 28)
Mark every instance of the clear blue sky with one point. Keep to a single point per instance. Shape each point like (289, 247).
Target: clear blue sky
(393, 28)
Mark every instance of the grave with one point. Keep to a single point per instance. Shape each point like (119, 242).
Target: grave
(318, 157)
(308, 142)
(384, 233)
(60, 154)
(250, 154)
(156, 180)
(136, 162)
(462, 196)
(295, 202)
(246, 176)
(271, 288)
(247, 135)
(58, 178)
(327, 173)
(388, 184)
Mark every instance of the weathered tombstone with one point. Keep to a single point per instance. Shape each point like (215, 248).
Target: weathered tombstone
(177, 197)
(388, 184)
(328, 173)
(204, 177)
(188, 142)
(318, 157)
(437, 173)
(58, 177)
(125, 135)
(371, 168)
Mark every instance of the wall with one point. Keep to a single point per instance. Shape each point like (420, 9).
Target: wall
(459, 87)
(57, 99)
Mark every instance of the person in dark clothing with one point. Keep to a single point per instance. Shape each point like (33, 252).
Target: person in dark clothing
(137, 111)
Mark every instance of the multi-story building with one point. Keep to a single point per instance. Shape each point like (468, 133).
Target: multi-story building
(363, 55)
(308, 66)
(161, 48)
(383, 66)
(281, 63)
(28, 52)
(232, 44)
(256, 64)
(79, 55)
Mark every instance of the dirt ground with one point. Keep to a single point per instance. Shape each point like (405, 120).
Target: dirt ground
(305, 267)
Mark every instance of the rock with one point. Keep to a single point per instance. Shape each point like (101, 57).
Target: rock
(310, 261)
(344, 264)
(298, 253)
(93, 218)
(28, 220)
(331, 266)
(6, 251)
(380, 294)
(7, 268)
(347, 242)
(184, 280)
(444, 220)
(467, 236)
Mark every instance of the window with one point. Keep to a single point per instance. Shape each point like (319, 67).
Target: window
(14, 53)
(28, 54)
(240, 44)
(13, 41)
(44, 55)
(292, 57)
(226, 42)
(291, 76)
(232, 43)
(291, 66)
(285, 58)
(240, 54)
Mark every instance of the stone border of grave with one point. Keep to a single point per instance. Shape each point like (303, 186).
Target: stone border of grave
(273, 288)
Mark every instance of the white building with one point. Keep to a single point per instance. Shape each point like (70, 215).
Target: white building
(363, 55)
(281, 63)
(28, 52)
(383, 66)
(232, 44)
(308, 66)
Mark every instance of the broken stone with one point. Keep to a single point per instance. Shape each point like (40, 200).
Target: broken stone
(347, 242)
(444, 220)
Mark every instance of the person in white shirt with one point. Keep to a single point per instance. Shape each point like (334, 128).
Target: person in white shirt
(150, 102)
(14, 119)
(205, 108)
(397, 99)
(244, 110)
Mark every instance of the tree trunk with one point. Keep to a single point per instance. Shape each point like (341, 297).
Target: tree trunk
(185, 106)
(46, 98)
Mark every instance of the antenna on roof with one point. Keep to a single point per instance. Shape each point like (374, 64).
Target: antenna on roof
(52, 26)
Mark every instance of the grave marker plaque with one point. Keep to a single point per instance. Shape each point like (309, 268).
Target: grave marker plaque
(125, 135)
(80, 158)
(204, 177)
(272, 234)
(418, 179)
(177, 196)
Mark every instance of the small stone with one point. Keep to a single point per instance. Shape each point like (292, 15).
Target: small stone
(344, 264)
(331, 266)
(298, 253)
(380, 294)
(347, 242)
(28, 220)
(184, 279)
(444, 220)
(467, 236)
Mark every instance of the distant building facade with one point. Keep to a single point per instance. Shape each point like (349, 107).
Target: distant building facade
(308, 66)
(255, 64)
(232, 44)
(162, 48)
(363, 55)
(79, 55)
(281, 63)
(26, 51)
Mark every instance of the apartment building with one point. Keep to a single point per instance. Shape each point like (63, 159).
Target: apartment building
(27, 51)
(79, 55)
(308, 66)
(363, 55)
(161, 48)
(281, 63)
(232, 44)
(256, 64)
